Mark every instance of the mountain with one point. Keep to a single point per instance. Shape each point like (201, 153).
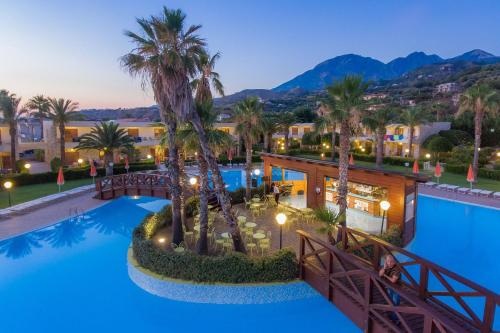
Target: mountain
(371, 69)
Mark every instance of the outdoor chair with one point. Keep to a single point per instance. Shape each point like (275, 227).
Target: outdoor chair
(463, 190)
(264, 245)
(251, 247)
(247, 203)
(227, 246)
(442, 186)
(486, 193)
(430, 184)
(475, 191)
(188, 235)
(496, 195)
(179, 248)
(451, 188)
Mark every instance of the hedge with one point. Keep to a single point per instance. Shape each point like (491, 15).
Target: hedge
(229, 268)
(72, 174)
(482, 172)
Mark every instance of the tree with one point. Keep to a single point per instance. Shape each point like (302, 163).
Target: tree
(177, 59)
(329, 219)
(439, 144)
(247, 116)
(325, 122)
(304, 114)
(219, 141)
(268, 126)
(480, 99)
(345, 102)
(413, 117)
(106, 137)
(10, 105)
(206, 78)
(61, 112)
(285, 121)
(40, 105)
(377, 122)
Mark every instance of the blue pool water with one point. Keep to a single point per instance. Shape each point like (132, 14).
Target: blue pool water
(236, 178)
(72, 277)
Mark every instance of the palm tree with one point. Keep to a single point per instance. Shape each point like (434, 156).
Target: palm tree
(201, 84)
(412, 117)
(146, 61)
(330, 219)
(10, 105)
(286, 120)
(62, 111)
(326, 122)
(377, 122)
(480, 99)
(106, 137)
(247, 116)
(40, 105)
(219, 141)
(268, 126)
(345, 102)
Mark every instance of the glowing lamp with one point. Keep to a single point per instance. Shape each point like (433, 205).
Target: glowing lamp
(256, 172)
(80, 161)
(193, 181)
(281, 218)
(407, 150)
(385, 205)
(8, 185)
(27, 166)
(427, 155)
(161, 240)
(149, 156)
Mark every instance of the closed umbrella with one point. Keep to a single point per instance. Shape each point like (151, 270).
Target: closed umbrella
(437, 171)
(351, 160)
(126, 163)
(230, 155)
(470, 176)
(415, 167)
(157, 160)
(93, 171)
(60, 178)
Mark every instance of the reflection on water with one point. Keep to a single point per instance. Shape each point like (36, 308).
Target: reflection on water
(20, 246)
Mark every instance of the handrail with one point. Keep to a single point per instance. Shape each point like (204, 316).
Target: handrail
(492, 300)
(132, 181)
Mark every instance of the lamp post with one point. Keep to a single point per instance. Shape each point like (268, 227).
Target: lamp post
(385, 205)
(281, 219)
(80, 161)
(8, 185)
(27, 166)
(193, 182)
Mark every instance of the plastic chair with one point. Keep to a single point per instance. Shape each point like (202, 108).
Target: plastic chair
(251, 247)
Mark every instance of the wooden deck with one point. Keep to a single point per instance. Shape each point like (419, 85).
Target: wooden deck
(148, 184)
(347, 275)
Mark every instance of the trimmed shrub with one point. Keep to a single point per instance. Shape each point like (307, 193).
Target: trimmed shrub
(457, 137)
(464, 168)
(440, 144)
(231, 268)
(192, 205)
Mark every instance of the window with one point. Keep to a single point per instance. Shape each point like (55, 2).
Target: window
(133, 132)
(307, 129)
(295, 131)
(158, 133)
(399, 131)
(225, 129)
(70, 134)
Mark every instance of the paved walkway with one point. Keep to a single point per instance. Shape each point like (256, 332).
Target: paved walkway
(455, 196)
(46, 216)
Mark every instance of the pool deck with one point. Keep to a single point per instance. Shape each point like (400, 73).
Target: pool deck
(47, 215)
(455, 196)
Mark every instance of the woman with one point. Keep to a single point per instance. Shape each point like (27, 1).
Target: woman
(276, 192)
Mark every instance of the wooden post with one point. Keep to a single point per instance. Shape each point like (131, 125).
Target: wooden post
(368, 300)
(489, 315)
(424, 281)
(328, 274)
(301, 256)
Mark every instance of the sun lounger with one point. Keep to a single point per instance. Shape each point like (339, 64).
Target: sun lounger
(475, 191)
(442, 186)
(496, 195)
(451, 188)
(463, 190)
(430, 184)
(486, 193)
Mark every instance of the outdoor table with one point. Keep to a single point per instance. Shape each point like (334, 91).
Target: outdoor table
(197, 227)
(225, 235)
(259, 236)
(242, 218)
(250, 225)
(256, 200)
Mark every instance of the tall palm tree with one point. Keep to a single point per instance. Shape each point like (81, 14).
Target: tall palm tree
(286, 120)
(325, 122)
(413, 117)
(62, 111)
(268, 126)
(219, 141)
(146, 61)
(10, 105)
(207, 77)
(39, 105)
(106, 137)
(481, 99)
(176, 62)
(377, 121)
(247, 116)
(345, 102)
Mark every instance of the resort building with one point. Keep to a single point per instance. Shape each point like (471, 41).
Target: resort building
(446, 87)
(313, 183)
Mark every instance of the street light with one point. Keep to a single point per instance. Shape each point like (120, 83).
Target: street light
(193, 181)
(8, 185)
(384, 205)
(427, 156)
(281, 219)
(27, 166)
(256, 172)
(80, 161)
(149, 156)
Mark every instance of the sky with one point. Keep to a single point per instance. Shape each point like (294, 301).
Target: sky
(71, 49)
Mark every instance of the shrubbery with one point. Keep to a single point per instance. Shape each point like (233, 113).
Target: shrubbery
(231, 268)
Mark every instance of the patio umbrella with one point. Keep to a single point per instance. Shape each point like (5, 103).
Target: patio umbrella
(126, 163)
(470, 176)
(415, 167)
(351, 160)
(157, 160)
(230, 155)
(60, 178)
(93, 171)
(117, 159)
(437, 171)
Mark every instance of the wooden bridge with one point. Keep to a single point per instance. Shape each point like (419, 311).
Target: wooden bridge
(433, 299)
(148, 184)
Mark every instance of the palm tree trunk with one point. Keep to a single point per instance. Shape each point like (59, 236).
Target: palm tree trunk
(380, 148)
(478, 121)
(343, 167)
(13, 139)
(222, 194)
(62, 144)
(108, 158)
(41, 128)
(410, 142)
(182, 184)
(174, 174)
(286, 142)
(333, 143)
(248, 168)
(238, 147)
(202, 247)
(266, 142)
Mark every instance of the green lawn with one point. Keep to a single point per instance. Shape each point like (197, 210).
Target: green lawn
(447, 177)
(30, 192)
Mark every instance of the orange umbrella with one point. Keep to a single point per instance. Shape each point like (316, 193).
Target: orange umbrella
(415, 167)
(470, 175)
(437, 171)
(60, 178)
(157, 160)
(117, 159)
(126, 163)
(351, 160)
(93, 171)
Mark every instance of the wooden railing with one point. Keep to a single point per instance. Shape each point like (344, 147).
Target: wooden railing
(149, 184)
(347, 274)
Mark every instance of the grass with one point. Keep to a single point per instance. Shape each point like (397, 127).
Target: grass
(446, 178)
(30, 192)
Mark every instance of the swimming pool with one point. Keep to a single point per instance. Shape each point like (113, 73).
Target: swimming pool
(72, 277)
